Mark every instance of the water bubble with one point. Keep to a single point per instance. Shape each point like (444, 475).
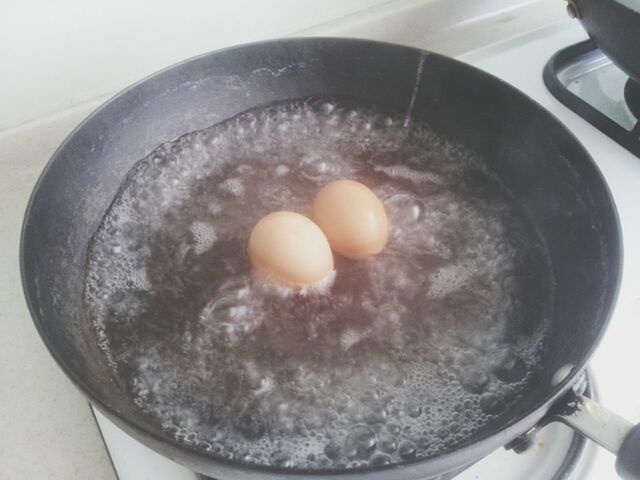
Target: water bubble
(244, 455)
(203, 445)
(394, 428)
(251, 426)
(327, 108)
(376, 416)
(332, 450)
(511, 369)
(491, 404)
(404, 209)
(473, 379)
(413, 409)
(280, 459)
(387, 444)
(407, 450)
(360, 442)
(423, 443)
(379, 459)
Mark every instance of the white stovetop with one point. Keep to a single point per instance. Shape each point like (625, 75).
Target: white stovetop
(47, 428)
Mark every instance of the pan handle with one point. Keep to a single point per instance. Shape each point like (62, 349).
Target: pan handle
(607, 429)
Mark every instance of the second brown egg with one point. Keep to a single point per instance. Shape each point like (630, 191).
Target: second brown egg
(352, 217)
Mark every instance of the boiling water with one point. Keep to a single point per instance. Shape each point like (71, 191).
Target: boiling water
(405, 355)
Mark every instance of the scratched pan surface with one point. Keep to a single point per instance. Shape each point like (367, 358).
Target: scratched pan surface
(548, 171)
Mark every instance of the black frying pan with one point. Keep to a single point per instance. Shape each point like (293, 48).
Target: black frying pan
(550, 173)
(615, 27)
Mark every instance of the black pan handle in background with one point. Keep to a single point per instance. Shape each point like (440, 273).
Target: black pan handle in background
(614, 25)
(607, 429)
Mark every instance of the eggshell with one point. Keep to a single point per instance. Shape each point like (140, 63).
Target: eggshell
(352, 217)
(290, 250)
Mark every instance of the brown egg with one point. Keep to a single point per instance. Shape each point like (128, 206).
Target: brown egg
(290, 250)
(352, 217)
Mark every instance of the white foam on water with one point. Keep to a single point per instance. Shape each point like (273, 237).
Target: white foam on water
(399, 356)
(404, 172)
(204, 236)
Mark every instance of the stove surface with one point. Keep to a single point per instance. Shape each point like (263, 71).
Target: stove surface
(617, 351)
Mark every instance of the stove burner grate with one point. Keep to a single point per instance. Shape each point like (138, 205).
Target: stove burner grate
(584, 80)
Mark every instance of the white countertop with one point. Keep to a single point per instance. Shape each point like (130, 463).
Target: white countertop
(47, 430)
